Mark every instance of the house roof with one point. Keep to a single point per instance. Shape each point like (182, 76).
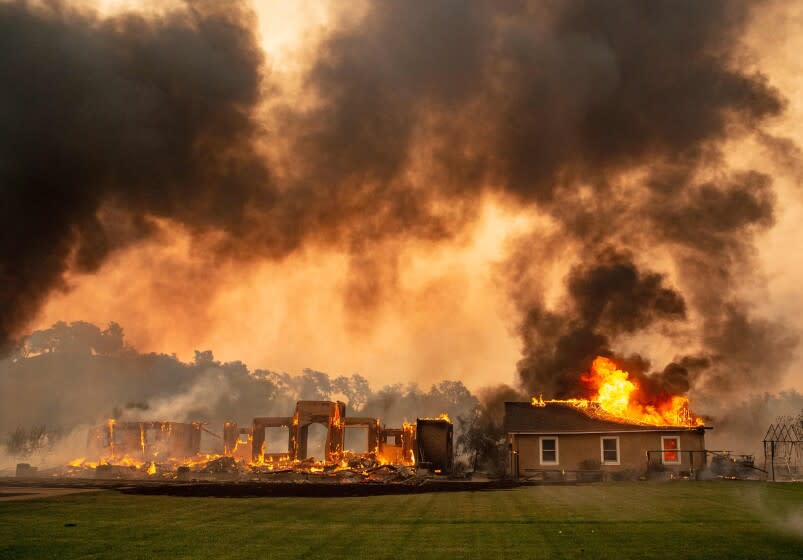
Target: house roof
(563, 418)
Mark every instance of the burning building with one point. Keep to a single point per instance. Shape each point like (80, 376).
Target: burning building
(170, 449)
(567, 438)
(326, 413)
(145, 441)
(613, 431)
(391, 445)
(396, 444)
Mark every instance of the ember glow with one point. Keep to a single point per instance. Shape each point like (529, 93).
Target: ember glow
(360, 466)
(615, 395)
(172, 450)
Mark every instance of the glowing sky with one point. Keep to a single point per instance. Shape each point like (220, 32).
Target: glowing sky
(448, 317)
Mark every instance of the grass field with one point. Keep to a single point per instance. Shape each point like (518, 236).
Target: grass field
(628, 520)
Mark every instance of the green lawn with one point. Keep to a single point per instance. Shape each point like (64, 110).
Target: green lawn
(628, 520)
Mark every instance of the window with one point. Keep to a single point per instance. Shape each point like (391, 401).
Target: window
(276, 440)
(609, 447)
(549, 450)
(151, 435)
(356, 439)
(670, 447)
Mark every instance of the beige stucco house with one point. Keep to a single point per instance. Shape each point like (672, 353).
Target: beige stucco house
(560, 439)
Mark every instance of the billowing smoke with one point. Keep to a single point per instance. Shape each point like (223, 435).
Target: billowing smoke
(606, 121)
(107, 124)
(742, 423)
(75, 375)
(605, 298)
(638, 163)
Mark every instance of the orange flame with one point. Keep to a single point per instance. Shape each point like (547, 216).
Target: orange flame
(615, 396)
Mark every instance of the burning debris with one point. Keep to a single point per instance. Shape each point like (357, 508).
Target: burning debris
(149, 440)
(171, 450)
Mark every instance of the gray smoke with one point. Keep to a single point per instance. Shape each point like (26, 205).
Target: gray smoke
(71, 376)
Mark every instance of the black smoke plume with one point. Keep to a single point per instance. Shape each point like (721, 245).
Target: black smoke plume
(605, 298)
(608, 119)
(106, 124)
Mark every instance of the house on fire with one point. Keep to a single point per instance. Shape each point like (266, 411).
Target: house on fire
(559, 439)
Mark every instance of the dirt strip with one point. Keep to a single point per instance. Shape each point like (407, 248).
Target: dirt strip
(14, 493)
(250, 489)
(308, 489)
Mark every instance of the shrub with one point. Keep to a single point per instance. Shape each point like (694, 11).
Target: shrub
(589, 465)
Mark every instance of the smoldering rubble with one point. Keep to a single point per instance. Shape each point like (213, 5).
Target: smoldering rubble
(73, 376)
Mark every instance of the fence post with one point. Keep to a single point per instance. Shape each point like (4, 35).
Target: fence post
(772, 459)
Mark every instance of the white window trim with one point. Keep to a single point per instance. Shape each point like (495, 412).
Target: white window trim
(541, 450)
(602, 451)
(664, 450)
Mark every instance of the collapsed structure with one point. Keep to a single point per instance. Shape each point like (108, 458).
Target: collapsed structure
(159, 447)
(390, 445)
(150, 441)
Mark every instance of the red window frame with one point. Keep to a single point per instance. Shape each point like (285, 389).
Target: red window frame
(670, 449)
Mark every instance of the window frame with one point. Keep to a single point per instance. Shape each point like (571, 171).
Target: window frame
(602, 460)
(676, 451)
(541, 451)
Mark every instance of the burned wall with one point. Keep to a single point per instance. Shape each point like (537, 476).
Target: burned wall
(434, 447)
(147, 441)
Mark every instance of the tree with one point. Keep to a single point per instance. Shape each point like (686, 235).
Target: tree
(24, 443)
(484, 440)
(355, 388)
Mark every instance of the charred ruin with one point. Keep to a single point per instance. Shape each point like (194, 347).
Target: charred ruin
(392, 445)
(173, 450)
(433, 439)
(149, 441)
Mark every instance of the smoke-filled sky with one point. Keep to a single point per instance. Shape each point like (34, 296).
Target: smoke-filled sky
(483, 191)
